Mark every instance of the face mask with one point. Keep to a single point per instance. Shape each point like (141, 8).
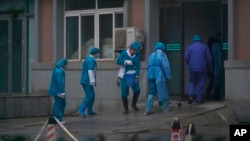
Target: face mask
(97, 55)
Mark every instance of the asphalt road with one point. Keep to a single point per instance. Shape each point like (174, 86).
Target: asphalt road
(211, 122)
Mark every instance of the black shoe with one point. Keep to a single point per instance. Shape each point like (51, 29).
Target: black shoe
(199, 102)
(179, 104)
(190, 100)
(134, 101)
(135, 108)
(125, 105)
(126, 112)
(159, 102)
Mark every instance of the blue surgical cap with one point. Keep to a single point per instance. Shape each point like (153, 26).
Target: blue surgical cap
(135, 45)
(160, 45)
(196, 38)
(94, 50)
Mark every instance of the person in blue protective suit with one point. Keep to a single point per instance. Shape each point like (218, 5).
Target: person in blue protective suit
(210, 84)
(57, 89)
(198, 58)
(130, 61)
(158, 72)
(88, 82)
(217, 53)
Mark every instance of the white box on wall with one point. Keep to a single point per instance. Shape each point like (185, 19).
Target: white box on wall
(124, 37)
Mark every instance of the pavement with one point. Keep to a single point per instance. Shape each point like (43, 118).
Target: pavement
(211, 121)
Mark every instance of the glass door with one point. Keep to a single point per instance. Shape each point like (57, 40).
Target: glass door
(11, 54)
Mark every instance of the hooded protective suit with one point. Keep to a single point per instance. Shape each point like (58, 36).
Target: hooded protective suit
(57, 89)
(218, 70)
(158, 73)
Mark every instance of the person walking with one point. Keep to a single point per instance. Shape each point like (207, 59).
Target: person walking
(130, 61)
(57, 89)
(158, 72)
(198, 58)
(217, 53)
(210, 75)
(216, 77)
(88, 82)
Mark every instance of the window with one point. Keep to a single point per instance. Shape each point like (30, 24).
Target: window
(87, 26)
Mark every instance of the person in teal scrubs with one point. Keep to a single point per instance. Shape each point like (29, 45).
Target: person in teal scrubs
(130, 61)
(88, 82)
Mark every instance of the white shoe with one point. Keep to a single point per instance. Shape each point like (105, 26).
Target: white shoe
(166, 110)
(148, 113)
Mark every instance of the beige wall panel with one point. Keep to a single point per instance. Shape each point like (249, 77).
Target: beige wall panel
(46, 49)
(243, 30)
(137, 14)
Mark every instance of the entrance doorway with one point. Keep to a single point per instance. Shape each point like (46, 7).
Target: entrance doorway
(11, 56)
(179, 22)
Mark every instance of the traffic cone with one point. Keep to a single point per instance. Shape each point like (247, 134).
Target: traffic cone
(190, 132)
(51, 129)
(176, 134)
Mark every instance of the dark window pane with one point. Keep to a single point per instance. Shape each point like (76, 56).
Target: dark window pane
(110, 3)
(72, 51)
(14, 7)
(79, 4)
(118, 20)
(106, 36)
(87, 35)
(30, 6)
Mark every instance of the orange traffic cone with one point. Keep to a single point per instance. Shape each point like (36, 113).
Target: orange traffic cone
(190, 132)
(176, 134)
(51, 129)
